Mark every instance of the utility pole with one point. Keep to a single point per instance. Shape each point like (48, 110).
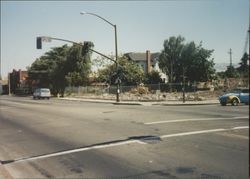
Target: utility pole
(230, 53)
(9, 84)
(183, 87)
(249, 43)
(0, 69)
(248, 40)
(171, 76)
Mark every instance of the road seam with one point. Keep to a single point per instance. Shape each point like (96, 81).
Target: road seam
(119, 143)
(72, 151)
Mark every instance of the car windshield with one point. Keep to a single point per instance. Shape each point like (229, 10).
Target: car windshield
(239, 91)
(245, 91)
(45, 90)
(235, 91)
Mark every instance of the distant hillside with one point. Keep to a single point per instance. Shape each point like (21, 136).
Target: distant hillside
(223, 66)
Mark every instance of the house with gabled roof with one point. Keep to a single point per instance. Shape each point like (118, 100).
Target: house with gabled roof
(147, 61)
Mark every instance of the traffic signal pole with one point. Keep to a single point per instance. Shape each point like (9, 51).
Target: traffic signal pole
(48, 39)
(39, 41)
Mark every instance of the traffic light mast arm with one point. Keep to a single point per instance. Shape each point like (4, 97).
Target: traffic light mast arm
(103, 55)
(52, 38)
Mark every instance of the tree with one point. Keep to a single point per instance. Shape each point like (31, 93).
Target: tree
(243, 69)
(48, 70)
(170, 55)
(62, 66)
(57, 75)
(192, 61)
(78, 65)
(128, 72)
(198, 66)
(153, 77)
(231, 72)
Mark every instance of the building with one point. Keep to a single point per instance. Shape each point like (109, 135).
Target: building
(18, 82)
(147, 61)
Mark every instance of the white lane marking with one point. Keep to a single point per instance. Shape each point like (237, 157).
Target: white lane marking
(192, 133)
(202, 132)
(123, 143)
(241, 117)
(197, 119)
(241, 127)
(78, 150)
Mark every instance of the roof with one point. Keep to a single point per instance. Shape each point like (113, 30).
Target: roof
(135, 56)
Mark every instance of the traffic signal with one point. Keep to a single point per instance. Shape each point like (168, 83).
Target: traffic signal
(86, 46)
(39, 42)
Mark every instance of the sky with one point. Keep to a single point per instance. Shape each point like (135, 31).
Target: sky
(141, 26)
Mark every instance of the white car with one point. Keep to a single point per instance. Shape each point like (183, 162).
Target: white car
(42, 93)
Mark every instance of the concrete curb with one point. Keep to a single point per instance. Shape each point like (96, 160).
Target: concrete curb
(148, 103)
(187, 104)
(100, 101)
(126, 103)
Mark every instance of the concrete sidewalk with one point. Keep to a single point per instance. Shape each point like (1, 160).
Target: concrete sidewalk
(144, 103)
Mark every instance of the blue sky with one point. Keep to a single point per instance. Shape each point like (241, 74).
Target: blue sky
(141, 26)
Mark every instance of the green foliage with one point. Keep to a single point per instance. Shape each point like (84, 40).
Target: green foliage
(61, 66)
(153, 78)
(231, 72)
(78, 65)
(170, 56)
(243, 69)
(178, 58)
(129, 73)
(220, 75)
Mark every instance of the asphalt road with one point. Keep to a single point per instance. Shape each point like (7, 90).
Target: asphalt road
(70, 139)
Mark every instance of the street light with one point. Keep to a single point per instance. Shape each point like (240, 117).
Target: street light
(116, 51)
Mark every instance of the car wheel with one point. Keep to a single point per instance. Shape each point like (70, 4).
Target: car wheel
(235, 102)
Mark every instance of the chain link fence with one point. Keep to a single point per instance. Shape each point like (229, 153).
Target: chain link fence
(147, 92)
(160, 91)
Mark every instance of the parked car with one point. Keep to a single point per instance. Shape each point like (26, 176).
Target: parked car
(40, 93)
(236, 96)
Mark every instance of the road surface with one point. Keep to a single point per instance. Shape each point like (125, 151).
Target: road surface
(70, 139)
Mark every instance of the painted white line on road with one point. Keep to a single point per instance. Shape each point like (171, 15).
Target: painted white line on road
(202, 132)
(197, 119)
(119, 144)
(191, 133)
(241, 117)
(78, 150)
(241, 127)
